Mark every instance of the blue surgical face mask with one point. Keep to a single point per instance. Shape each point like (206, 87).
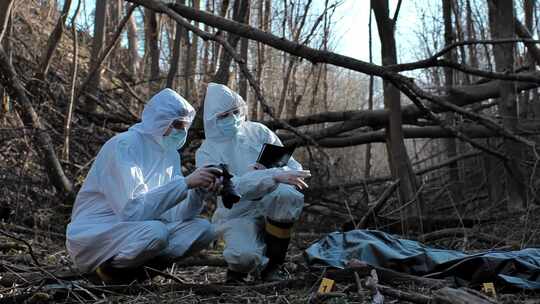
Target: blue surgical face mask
(229, 125)
(175, 140)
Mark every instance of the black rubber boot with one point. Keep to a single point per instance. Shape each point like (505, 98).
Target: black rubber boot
(277, 238)
(113, 275)
(235, 277)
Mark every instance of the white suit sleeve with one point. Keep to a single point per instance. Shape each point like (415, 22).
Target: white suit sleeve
(188, 209)
(256, 184)
(251, 185)
(124, 187)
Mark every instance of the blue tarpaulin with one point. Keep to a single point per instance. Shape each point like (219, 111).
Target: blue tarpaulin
(517, 269)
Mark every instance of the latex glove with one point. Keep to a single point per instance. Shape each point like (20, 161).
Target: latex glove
(293, 177)
(205, 177)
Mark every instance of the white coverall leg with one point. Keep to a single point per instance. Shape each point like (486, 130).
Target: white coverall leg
(171, 240)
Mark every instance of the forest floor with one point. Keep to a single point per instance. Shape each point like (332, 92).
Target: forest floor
(201, 279)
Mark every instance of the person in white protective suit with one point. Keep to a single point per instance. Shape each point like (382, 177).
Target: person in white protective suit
(135, 206)
(257, 229)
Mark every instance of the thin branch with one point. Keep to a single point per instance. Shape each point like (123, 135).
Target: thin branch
(30, 250)
(71, 105)
(107, 51)
(432, 61)
(396, 13)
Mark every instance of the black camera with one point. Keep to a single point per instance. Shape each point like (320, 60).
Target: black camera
(229, 196)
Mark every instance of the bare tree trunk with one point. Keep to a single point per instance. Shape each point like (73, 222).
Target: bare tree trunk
(501, 18)
(265, 8)
(207, 45)
(171, 77)
(133, 45)
(244, 44)
(115, 14)
(54, 38)
(460, 36)
(98, 41)
(239, 15)
(471, 34)
(450, 143)
(5, 13)
(398, 159)
(367, 158)
(152, 37)
(528, 104)
(216, 49)
(191, 60)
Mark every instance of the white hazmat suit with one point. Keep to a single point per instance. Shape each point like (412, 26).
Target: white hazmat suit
(134, 204)
(242, 226)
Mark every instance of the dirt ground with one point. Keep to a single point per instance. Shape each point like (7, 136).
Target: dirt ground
(55, 280)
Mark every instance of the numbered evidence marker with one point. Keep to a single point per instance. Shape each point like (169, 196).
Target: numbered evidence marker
(326, 285)
(489, 289)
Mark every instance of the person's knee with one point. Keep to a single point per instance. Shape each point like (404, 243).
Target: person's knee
(207, 234)
(284, 205)
(157, 236)
(242, 260)
(147, 241)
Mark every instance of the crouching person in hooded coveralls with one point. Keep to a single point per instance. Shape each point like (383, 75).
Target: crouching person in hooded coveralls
(256, 230)
(135, 207)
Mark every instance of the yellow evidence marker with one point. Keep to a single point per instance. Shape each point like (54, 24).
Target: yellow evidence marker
(489, 289)
(326, 285)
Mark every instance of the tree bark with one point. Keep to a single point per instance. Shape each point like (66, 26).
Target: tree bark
(191, 60)
(265, 10)
(399, 161)
(133, 46)
(152, 36)
(171, 77)
(5, 13)
(450, 143)
(367, 157)
(97, 46)
(244, 44)
(54, 38)
(239, 15)
(501, 15)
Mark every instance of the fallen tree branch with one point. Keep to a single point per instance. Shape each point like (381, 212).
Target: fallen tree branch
(470, 131)
(460, 96)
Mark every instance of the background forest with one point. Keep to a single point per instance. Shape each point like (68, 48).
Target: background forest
(432, 137)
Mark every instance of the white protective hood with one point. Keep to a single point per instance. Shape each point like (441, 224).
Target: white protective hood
(219, 98)
(160, 111)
